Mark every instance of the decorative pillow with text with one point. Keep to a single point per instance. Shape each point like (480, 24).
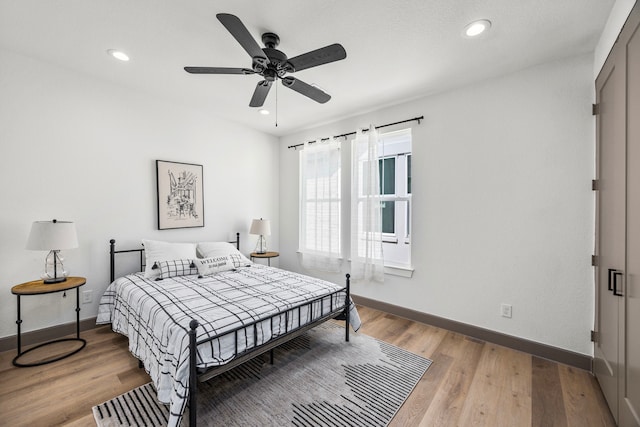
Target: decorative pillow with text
(218, 249)
(209, 266)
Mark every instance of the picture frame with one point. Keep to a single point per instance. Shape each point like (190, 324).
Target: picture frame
(180, 192)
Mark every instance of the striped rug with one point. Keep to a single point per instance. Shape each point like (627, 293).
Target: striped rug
(316, 380)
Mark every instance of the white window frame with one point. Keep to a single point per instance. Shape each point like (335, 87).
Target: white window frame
(397, 245)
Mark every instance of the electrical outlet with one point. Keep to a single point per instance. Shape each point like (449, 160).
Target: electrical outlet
(505, 310)
(87, 297)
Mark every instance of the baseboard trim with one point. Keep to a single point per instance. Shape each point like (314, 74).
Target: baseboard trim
(45, 334)
(567, 357)
(556, 354)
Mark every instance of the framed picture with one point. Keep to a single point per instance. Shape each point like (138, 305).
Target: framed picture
(180, 195)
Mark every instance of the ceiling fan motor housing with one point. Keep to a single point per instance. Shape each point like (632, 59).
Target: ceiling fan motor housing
(277, 58)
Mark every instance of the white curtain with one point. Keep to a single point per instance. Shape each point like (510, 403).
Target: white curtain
(320, 206)
(367, 262)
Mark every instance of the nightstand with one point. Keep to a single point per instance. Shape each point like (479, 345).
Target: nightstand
(267, 255)
(38, 287)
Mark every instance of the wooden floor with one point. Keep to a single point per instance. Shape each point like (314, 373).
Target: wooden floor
(470, 383)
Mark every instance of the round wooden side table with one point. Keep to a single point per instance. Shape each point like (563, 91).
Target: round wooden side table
(38, 287)
(267, 255)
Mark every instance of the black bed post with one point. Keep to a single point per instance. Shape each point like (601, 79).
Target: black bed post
(112, 253)
(238, 241)
(347, 307)
(193, 374)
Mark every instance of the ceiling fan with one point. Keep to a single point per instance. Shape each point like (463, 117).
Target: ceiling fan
(272, 64)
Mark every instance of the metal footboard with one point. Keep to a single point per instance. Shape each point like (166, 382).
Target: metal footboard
(256, 350)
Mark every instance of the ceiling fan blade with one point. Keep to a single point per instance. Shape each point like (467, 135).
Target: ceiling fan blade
(260, 94)
(237, 29)
(218, 70)
(324, 55)
(306, 89)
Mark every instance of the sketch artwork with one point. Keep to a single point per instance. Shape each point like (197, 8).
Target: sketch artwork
(180, 201)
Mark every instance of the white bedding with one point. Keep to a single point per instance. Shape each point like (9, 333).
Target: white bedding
(155, 315)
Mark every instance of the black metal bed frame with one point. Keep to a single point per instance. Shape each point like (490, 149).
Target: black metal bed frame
(240, 357)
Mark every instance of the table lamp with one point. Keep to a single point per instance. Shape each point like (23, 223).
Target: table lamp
(261, 227)
(53, 236)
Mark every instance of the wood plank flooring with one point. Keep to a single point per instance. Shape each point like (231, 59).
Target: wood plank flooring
(470, 383)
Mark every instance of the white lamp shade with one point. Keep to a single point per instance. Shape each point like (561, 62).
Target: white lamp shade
(261, 227)
(52, 235)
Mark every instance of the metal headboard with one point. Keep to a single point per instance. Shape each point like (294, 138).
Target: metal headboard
(113, 252)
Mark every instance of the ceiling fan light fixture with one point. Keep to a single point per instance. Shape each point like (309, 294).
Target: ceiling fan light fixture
(118, 54)
(476, 28)
(263, 111)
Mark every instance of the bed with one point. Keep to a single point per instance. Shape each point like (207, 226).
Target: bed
(195, 318)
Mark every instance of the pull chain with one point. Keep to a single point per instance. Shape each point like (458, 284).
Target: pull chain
(276, 103)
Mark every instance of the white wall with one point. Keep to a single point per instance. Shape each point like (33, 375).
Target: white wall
(502, 205)
(76, 148)
(503, 210)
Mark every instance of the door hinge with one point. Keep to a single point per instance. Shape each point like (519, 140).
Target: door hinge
(594, 336)
(594, 260)
(595, 184)
(595, 109)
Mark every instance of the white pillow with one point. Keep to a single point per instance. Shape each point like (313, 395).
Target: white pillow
(208, 266)
(218, 249)
(155, 251)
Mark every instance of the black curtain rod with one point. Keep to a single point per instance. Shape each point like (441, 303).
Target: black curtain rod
(364, 130)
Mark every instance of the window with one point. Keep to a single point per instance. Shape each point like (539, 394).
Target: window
(394, 151)
(320, 206)
(322, 224)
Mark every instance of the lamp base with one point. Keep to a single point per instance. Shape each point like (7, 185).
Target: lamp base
(53, 269)
(54, 280)
(261, 245)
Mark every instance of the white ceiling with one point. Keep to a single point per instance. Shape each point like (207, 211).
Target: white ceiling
(396, 50)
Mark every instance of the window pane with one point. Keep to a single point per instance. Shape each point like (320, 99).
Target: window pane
(387, 175)
(322, 228)
(409, 174)
(320, 175)
(388, 217)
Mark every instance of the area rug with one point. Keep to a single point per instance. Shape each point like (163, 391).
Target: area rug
(317, 379)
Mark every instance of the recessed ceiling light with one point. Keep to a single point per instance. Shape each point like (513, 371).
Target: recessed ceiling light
(263, 112)
(118, 54)
(476, 28)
